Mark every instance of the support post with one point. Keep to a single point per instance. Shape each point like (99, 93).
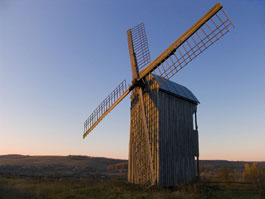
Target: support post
(197, 163)
(198, 168)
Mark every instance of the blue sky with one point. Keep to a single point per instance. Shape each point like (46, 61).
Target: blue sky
(60, 59)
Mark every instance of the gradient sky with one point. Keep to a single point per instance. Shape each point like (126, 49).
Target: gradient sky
(60, 59)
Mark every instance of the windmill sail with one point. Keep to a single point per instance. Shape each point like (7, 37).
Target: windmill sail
(105, 107)
(140, 46)
(209, 29)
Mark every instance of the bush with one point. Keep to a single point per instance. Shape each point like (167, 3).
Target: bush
(224, 174)
(256, 176)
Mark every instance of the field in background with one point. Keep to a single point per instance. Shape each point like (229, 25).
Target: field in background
(60, 166)
(89, 177)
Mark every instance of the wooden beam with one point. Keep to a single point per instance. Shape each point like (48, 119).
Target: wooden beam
(146, 132)
(134, 67)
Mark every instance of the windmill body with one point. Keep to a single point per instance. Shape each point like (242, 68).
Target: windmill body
(170, 112)
(163, 130)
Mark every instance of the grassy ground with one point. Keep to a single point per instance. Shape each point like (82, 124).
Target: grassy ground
(83, 177)
(73, 188)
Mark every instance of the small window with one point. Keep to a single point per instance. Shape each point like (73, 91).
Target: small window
(194, 122)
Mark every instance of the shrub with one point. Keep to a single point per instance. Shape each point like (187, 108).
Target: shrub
(224, 174)
(256, 176)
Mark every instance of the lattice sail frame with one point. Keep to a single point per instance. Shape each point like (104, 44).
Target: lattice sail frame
(212, 30)
(105, 106)
(140, 46)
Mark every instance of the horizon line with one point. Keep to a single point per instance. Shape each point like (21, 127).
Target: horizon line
(46, 155)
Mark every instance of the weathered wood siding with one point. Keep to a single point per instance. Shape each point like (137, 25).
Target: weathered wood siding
(177, 140)
(174, 143)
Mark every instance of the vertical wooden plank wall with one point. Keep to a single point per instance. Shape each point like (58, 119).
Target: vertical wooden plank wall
(177, 140)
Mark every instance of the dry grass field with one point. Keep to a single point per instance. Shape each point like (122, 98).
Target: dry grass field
(82, 177)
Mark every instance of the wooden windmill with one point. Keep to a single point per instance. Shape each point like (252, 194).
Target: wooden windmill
(163, 134)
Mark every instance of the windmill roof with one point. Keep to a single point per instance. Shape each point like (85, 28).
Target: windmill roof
(176, 89)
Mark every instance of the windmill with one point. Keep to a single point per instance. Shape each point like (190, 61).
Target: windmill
(163, 127)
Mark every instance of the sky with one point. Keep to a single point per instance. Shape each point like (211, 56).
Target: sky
(59, 59)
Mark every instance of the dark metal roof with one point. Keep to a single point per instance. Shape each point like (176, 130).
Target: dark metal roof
(177, 89)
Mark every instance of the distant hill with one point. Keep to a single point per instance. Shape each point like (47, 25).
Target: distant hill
(56, 166)
(229, 164)
(78, 166)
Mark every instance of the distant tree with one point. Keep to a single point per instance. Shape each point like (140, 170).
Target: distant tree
(224, 174)
(251, 173)
(256, 176)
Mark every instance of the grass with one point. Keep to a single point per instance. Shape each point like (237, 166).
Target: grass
(85, 188)
(82, 177)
